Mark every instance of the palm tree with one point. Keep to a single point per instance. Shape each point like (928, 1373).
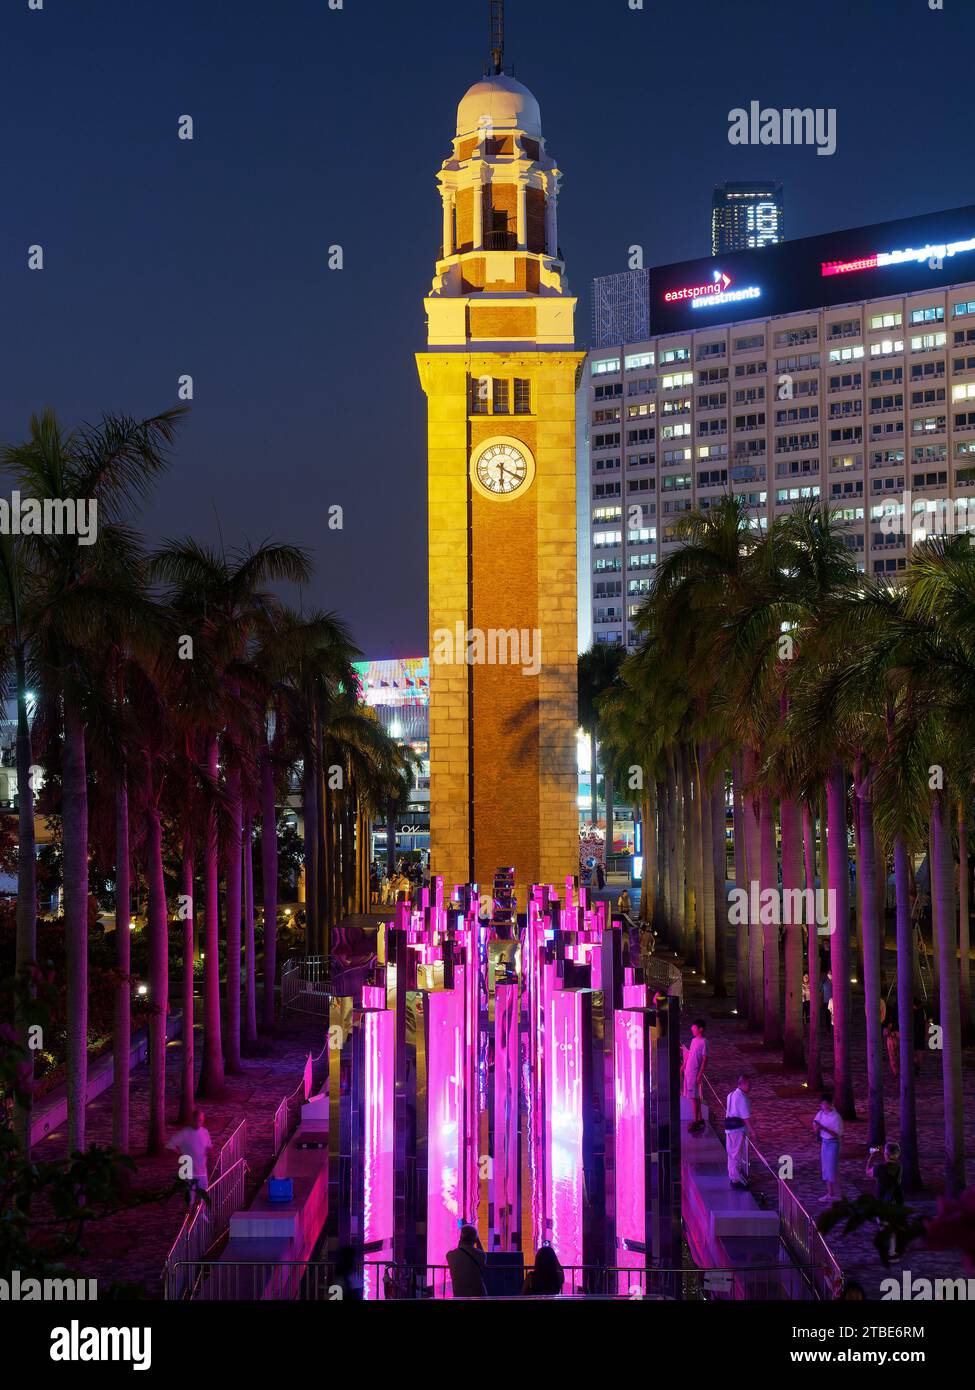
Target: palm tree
(11, 607)
(78, 593)
(598, 672)
(223, 599)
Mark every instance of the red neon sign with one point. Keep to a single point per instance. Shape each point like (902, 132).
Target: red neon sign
(844, 267)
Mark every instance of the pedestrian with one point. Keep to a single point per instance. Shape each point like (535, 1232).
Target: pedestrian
(805, 998)
(695, 1061)
(193, 1144)
(828, 1124)
(827, 989)
(547, 1276)
(600, 875)
(466, 1265)
(892, 1041)
(624, 904)
(738, 1129)
(884, 1166)
(384, 889)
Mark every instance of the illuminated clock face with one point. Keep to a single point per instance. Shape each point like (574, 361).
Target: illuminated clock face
(502, 469)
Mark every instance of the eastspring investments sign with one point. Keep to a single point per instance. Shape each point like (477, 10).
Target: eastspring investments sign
(791, 277)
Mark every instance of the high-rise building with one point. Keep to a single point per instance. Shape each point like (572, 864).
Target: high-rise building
(838, 367)
(745, 216)
(499, 373)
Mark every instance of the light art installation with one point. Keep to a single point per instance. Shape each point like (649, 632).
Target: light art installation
(525, 1084)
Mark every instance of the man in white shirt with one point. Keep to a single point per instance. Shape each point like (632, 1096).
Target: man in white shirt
(193, 1143)
(738, 1129)
(695, 1060)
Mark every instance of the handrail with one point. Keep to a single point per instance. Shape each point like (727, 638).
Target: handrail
(797, 1228)
(201, 1230)
(319, 1280)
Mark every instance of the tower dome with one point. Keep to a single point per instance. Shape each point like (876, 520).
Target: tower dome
(502, 103)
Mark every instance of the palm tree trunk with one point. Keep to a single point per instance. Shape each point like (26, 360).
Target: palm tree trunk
(707, 929)
(905, 1024)
(741, 883)
(662, 902)
(310, 825)
(814, 1074)
(211, 1072)
(608, 791)
(673, 850)
(839, 887)
(187, 1071)
(870, 924)
(26, 911)
(943, 888)
(756, 947)
(391, 836)
(269, 874)
(719, 869)
(935, 946)
(232, 873)
(74, 805)
(689, 827)
(651, 881)
(769, 874)
(593, 779)
(158, 978)
(250, 962)
(790, 820)
(964, 930)
(122, 1029)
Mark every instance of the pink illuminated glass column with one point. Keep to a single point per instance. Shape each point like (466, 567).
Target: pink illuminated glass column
(565, 1188)
(447, 1139)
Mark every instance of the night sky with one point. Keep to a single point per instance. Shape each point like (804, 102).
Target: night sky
(316, 126)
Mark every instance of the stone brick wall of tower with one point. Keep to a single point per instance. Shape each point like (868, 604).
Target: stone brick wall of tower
(444, 379)
(524, 576)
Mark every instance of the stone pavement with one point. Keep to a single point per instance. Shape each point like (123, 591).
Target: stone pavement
(130, 1249)
(782, 1110)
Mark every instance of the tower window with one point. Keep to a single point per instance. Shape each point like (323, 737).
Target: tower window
(501, 397)
(523, 395)
(478, 390)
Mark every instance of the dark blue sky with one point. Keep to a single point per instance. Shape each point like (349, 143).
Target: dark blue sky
(315, 127)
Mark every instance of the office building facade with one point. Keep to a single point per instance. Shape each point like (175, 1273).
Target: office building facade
(746, 216)
(839, 367)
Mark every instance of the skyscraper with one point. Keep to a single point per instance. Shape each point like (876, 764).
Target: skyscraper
(744, 216)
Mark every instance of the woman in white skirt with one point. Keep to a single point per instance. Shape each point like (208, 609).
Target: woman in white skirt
(828, 1124)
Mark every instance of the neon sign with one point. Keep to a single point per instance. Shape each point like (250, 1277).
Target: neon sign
(917, 254)
(715, 291)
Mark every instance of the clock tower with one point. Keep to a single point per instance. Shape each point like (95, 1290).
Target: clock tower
(500, 375)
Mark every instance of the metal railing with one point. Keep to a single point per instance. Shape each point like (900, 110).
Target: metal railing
(321, 1281)
(201, 1230)
(232, 1151)
(798, 1231)
(306, 985)
(287, 1114)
